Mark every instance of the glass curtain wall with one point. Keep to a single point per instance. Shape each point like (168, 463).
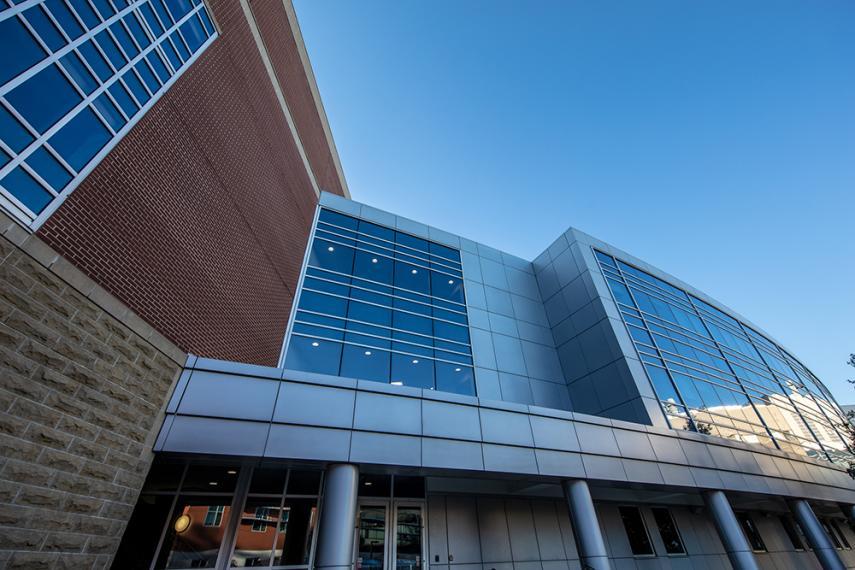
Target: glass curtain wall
(716, 375)
(382, 305)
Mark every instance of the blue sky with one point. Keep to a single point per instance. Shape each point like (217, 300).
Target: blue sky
(713, 139)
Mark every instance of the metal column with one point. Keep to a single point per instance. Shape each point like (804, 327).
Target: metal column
(586, 527)
(336, 524)
(730, 532)
(818, 540)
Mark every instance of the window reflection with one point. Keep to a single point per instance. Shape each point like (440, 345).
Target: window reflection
(718, 376)
(196, 532)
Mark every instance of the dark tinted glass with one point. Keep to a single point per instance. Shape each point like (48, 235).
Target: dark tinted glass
(12, 131)
(268, 480)
(194, 33)
(331, 256)
(371, 485)
(304, 482)
(451, 332)
(843, 540)
(110, 112)
(444, 252)
(86, 13)
(18, 49)
(164, 476)
(636, 531)
(49, 168)
(411, 277)
(198, 545)
(409, 487)
(410, 243)
(313, 355)
(374, 230)
(94, 58)
(78, 72)
(45, 28)
(751, 532)
(140, 539)
(446, 287)
(338, 219)
(413, 323)
(65, 18)
(296, 529)
(668, 531)
(211, 478)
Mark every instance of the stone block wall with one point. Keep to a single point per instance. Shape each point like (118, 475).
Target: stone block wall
(83, 384)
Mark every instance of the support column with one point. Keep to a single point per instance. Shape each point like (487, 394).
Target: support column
(586, 527)
(815, 534)
(338, 516)
(730, 532)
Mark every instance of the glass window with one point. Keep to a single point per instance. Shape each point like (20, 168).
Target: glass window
(110, 49)
(377, 231)
(49, 167)
(96, 61)
(831, 534)
(836, 528)
(313, 355)
(445, 252)
(25, 188)
(455, 378)
(412, 371)
(191, 540)
(13, 132)
(110, 112)
(86, 13)
(136, 30)
(80, 139)
(125, 41)
(368, 313)
(136, 87)
(411, 277)
(104, 8)
(268, 480)
(407, 244)
(751, 532)
(121, 96)
(140, 540)
(45, 28)
(338, 219)
(256, 533)
(365, 363)
(375, 485)
(412, 323)
(74, 67)
(296, 529)
(668, 531)
(151, 19)
(451, 332)
(409, 487)
(18, 49)
(194, 34)
(40, 111)
(446, 287)
(331, 256)
(66, 19)
(373, 267)
(636, 531)
(304, 482)
(792, 534)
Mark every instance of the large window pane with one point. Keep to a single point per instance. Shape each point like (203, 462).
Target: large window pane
(296, 532)
(18, 49)
(668, 531)
(412, 371)
(195, 532)
(446, 287)
(636, 531)
(44, 98)
(455, 378)
(365, 363)
(313, 355)
(373, 267)
(256, 533)
(81, 139)
(411, 277)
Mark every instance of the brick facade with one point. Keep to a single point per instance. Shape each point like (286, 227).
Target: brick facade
(84, 384)
(198, 219)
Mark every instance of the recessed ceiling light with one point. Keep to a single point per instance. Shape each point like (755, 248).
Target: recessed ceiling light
(231, 472)
(415, 361)
(397, 383)
(457, 370)
(413, 271)
(451, 281)
(368, 483)
(316, 343)
(212, 483)
(330, 248)
(367, 353)
(373, 260)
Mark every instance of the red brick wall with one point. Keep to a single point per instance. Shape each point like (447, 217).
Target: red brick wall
(198, 219)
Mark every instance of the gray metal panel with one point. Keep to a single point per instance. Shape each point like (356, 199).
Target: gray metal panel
(217, 436)
(521, 527)
(493, 528)
(452, 454)
(298, 442)
(440, 419)
(549, 539)
(309, 404)
(437, 533)
(509, 355)
(505, 427)
(379, 412)
(597, 439)
(385, 448)
(507, 459)
(559, 463)
(552, 433)
(567, 537)
(462, 520)
(229, 396)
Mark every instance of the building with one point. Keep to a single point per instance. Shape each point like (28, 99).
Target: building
(153, 154)
(213, 358)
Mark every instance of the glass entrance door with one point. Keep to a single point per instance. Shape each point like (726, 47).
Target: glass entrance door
(390, 535)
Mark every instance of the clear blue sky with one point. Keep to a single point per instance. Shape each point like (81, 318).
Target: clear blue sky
(713, 139)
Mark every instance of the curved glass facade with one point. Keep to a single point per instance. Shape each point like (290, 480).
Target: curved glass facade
(383, 305)
(716, 375)
(75, 76)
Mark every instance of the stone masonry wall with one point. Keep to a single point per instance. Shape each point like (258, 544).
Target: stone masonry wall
(83, 384)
